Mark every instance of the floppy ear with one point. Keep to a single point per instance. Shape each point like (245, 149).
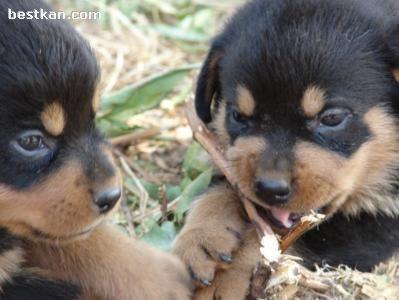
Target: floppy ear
(208, 84)
(393, 45)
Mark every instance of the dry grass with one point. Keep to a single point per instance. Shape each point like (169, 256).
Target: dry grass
(340, 283)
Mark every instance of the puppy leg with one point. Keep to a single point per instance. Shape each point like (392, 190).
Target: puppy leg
(213, 230)
(109, 265)
(234, 283)
(18, 282)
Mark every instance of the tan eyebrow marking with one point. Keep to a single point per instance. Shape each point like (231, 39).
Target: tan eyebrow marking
(313, 101)
(245, 101)
(53, 118)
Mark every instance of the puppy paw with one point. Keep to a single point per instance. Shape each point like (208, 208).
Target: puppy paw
(214, 229)
(234, 283)
(207, 249)
(174, 279)
(229, 284)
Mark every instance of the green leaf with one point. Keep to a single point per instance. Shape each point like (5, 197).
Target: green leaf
(162, 236)
(196, 161)
(185, 182)
(204, 17)
(133, 99)
(192, 190)
(172, 192)
(145, 226)
(112, 128)
(127, 7)
(187, 35)
(152, 189)
(164, 6)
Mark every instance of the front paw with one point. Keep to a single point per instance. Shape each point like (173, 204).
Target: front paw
(205, 250)
(234, 283)
(229, 284)
(174, 279)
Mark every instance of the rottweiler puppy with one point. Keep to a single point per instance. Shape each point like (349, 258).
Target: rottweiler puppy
(58, 182)
(303, 95)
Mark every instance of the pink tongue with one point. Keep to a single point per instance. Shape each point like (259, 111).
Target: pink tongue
(282, 215)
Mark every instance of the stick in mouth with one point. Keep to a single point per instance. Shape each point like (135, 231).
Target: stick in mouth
(209, 142)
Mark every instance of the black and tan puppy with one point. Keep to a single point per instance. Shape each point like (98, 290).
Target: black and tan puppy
(304, 96)
(58, 182)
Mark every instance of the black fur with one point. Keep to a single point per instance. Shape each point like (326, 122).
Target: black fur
(360, 242)
(26, 286)
(8, 241)
(277, 49)
(42, 61)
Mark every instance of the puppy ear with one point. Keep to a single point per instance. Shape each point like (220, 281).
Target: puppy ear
(208, 85)
(393, 45)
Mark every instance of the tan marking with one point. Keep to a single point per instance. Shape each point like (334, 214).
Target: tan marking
(53, 118)
(219, 125)
(376, 165)
(315, 175)
(55, 207)
(396, 74)
(313, 101)
(10, 263)
(59, 208)
(321, 175)
(244, 156)
(245, 101)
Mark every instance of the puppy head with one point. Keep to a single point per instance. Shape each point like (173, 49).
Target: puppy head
(57, 178)
(303, 98)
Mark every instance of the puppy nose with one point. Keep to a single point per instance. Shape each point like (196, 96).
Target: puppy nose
(107, 199)
(273, 191)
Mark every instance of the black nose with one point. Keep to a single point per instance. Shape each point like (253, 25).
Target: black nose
(107, 199)
(273, 191)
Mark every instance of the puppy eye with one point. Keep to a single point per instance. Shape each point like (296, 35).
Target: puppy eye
(334, 117)
(31, 143)
(239, 118)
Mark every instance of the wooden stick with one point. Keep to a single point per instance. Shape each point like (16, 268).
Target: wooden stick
(133, 137)
(306, 223)
(202, 134)
(209, 142)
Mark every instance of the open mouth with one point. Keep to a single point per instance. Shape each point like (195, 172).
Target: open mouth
(278, 217)
(285, 220)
